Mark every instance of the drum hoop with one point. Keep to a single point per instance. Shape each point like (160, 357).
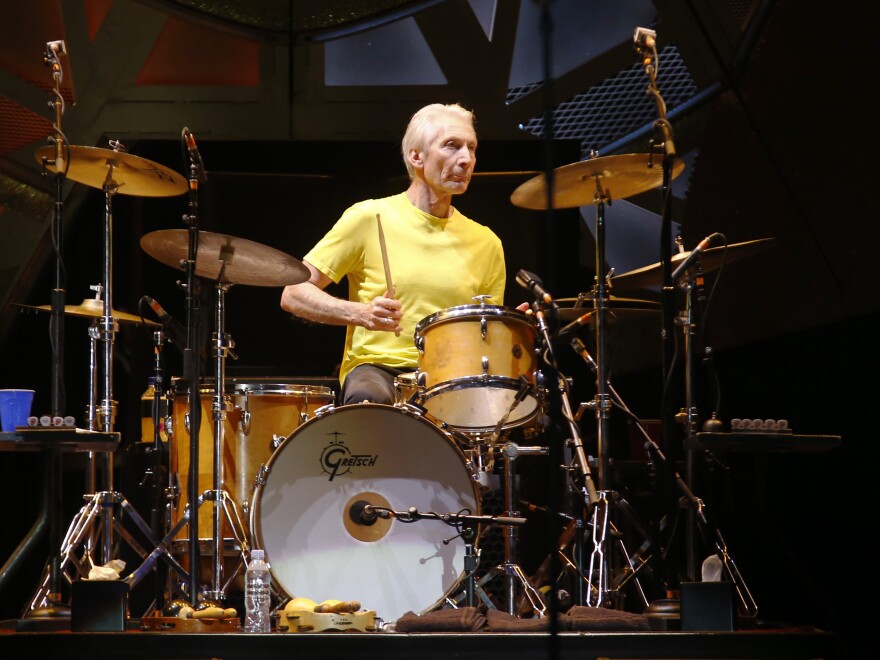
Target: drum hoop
(463, 311)
(240, 387)
(463, 382)
(535, 395)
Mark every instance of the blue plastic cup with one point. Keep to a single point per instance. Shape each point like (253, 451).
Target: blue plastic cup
(15, 408)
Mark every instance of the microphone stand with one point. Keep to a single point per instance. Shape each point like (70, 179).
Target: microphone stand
(56, 323)
(157, 514)
(191, 376)
(648, 50)
(588, 489)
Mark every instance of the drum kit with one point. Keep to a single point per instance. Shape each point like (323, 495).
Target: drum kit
(291, 473)
(330, 492)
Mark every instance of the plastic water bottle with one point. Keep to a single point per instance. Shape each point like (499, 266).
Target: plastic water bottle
(257, 594)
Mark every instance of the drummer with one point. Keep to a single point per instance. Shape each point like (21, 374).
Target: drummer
(437, 258)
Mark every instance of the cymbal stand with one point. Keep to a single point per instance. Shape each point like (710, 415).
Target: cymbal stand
(100, 505)
(603, 527)
(602, 401)
(688, 416)
(224, 505)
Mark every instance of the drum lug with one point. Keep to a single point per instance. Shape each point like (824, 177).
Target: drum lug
(484, 327)
(246, 414)
(277, 440)
(260, 478)
(485, 362)
(325, 409)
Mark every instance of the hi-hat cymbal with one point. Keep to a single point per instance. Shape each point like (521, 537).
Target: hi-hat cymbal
(710, 259)
(618, 308)
(123, 173)
(598, 179)
(226, 259)
(94, 308)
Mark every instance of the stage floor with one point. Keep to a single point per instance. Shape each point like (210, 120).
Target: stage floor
(777, 643)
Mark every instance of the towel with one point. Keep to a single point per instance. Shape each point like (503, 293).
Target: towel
(463, 619)
(498, 621)
(598, 618)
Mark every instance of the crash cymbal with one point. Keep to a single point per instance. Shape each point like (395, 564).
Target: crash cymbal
(588, 181)
(711, 259)
(125, 173)
(618, 308)
(226, 259)
(93, 308)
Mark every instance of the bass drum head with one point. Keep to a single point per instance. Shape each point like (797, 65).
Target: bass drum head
(305, 513)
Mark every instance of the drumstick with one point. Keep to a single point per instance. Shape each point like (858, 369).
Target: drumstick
(388, 283)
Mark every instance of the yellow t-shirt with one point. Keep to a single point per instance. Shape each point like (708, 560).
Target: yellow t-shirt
(435, 263)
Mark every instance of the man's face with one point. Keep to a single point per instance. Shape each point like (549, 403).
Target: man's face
(450, 157)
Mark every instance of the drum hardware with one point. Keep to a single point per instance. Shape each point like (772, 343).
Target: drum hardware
(467, 526)
(592, 182)
(92, 529)
(227, 261)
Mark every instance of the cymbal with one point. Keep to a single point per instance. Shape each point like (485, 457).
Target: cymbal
(710, 259)
(126, 173)
(94, 308)
(226, 259)
(578, 184)
(571, 309)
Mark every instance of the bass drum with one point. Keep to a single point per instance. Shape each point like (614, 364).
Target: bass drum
(308, 505)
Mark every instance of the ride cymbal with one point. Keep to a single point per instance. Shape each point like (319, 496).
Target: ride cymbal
(93, 308)
(226, 259)
(598, 179)
(618, 308)
(125, 173)
(710, 259)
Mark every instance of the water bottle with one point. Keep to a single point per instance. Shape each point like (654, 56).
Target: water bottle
(257, 594)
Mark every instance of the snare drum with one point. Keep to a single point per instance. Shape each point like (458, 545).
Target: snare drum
(476, 362)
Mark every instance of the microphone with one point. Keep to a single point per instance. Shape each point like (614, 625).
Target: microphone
(175, 329)
(583, 319)
(581, 350)
(194, 155)
(644, 39)
(692, 257)
(366, 514)
(535, 508)
(534, 284)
